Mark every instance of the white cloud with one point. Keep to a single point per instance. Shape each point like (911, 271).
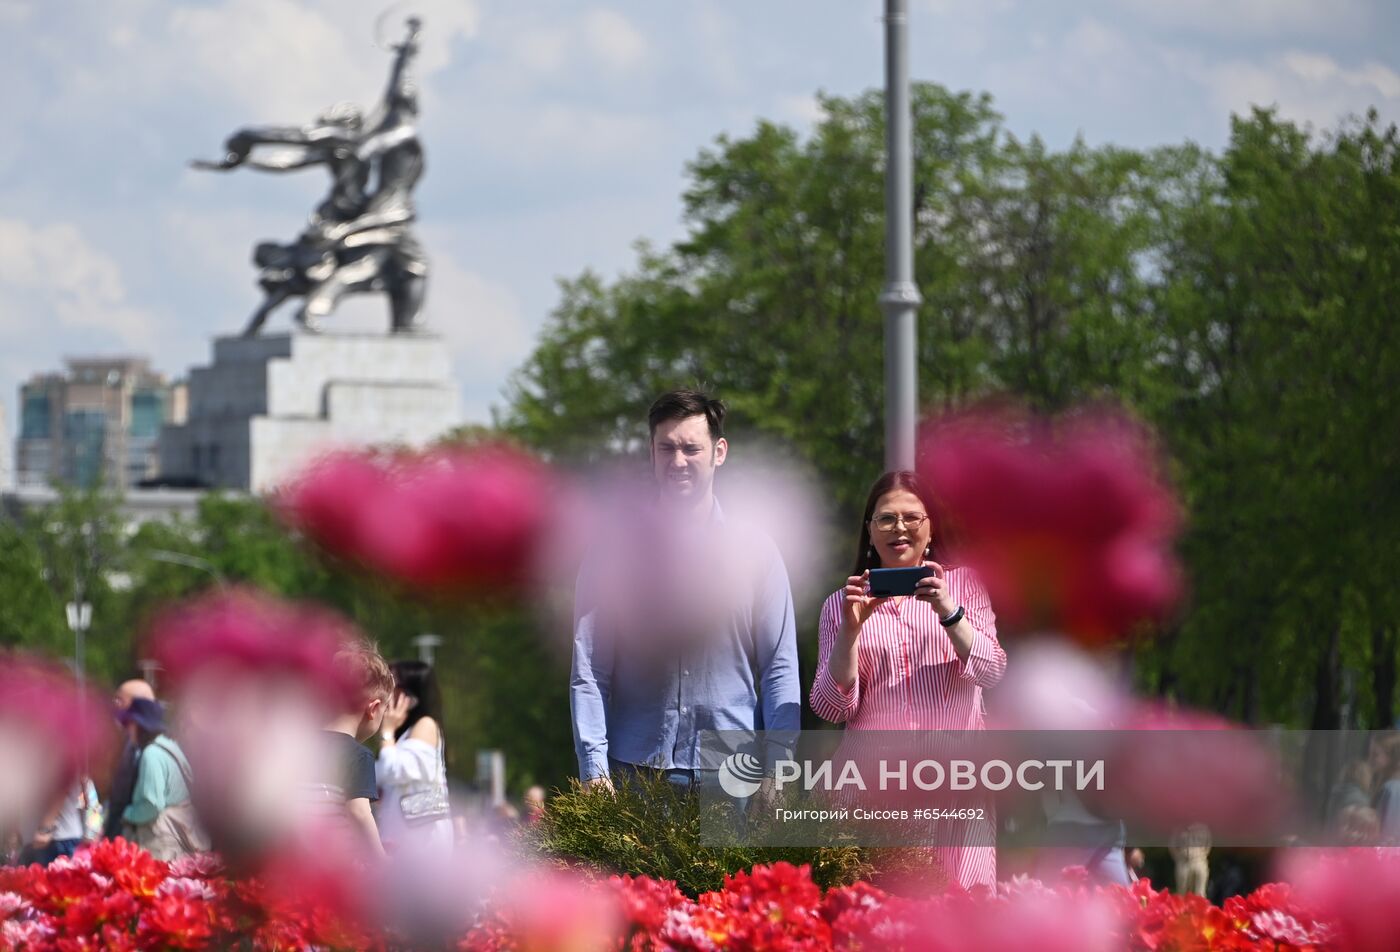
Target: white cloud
(16, 12)
(718, 39)
(1306, 87)
(583, 133)
(541, 51)
(485, 328)
(1236, 19)
(284, 74)
(805, 109)
(613, 40)
(1372, 78)
(265, 60)
(53, 273)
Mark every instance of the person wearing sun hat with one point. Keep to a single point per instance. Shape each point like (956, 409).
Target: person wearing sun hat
(160, 818)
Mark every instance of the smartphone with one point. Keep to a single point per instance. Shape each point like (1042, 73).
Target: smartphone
(886, 582)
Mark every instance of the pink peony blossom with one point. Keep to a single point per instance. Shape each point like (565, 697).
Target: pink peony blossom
(1069, 526)
(1195, 768)
(1355, 891)
(441, 521)
(50, 733)
(246, 632)
(254, 679)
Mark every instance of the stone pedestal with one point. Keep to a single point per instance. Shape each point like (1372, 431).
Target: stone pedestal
(269, 405)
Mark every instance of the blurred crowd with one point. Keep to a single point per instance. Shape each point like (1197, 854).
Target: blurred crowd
(395, 798)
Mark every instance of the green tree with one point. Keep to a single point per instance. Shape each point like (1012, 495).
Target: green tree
(30, 615)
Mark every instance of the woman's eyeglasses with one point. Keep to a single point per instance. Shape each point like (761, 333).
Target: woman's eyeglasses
(888, 521)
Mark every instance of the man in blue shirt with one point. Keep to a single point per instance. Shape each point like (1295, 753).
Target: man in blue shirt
(688, 625)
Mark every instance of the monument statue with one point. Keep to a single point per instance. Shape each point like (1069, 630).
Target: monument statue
(360, 237)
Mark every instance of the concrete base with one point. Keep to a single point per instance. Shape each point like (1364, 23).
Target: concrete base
(269, 405)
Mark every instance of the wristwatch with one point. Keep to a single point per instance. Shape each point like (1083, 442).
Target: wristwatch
(952, 619)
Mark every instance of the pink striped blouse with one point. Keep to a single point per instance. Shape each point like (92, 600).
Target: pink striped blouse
(908, 675)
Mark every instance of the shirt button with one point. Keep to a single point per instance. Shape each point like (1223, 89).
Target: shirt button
(686, 673)
(685, 710)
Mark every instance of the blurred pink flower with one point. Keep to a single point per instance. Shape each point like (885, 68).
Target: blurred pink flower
(1070, 526)
(247, 632)
(1027, 919)
(1197, 768)
(439, 521)
(254, 680)
(1356, 891)
(1054, 686)
(555, 911)
(50, 733)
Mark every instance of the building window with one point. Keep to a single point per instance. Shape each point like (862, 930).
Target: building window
(147, 413)
(34, 422)
(84, 433)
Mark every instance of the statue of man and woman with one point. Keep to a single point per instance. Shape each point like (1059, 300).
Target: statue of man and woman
(360, 237)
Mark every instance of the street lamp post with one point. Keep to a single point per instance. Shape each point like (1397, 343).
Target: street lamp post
(900, 298)
(427, 646)
(79, 620)
(149, 667)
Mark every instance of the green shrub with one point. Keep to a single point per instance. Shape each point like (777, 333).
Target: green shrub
(646, 827)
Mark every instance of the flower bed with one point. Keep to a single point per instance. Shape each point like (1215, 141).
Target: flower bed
(779, 908)
(115, 896)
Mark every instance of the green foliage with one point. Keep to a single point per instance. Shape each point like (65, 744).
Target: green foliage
(30, 615)
(647, 827)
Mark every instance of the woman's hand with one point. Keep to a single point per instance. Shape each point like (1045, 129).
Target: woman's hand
(858, 604)
(395, 715)
(934, 590)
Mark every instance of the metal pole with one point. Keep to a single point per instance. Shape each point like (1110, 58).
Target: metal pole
(149, 667)
(900, 298)
(426, 645)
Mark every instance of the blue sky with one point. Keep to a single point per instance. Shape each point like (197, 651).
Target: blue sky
(557, 133)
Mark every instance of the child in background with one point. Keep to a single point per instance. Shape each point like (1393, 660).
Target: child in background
(351, 787)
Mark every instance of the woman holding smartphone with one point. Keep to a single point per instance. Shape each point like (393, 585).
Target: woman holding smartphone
(917, 662)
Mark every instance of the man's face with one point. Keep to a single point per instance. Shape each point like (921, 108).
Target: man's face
(684, 458)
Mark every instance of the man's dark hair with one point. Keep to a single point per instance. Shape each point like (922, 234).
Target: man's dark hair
(680, 404)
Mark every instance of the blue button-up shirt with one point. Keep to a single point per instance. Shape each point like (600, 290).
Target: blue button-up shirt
(641, 696)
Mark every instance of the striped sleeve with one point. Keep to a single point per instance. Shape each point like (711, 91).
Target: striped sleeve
(986, 662)
(830, 701)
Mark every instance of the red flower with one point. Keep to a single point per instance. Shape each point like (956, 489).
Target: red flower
(178, 922)
(89, 915)
(131, 867)
(1070, 528)
(440, 521)
(644, 902)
